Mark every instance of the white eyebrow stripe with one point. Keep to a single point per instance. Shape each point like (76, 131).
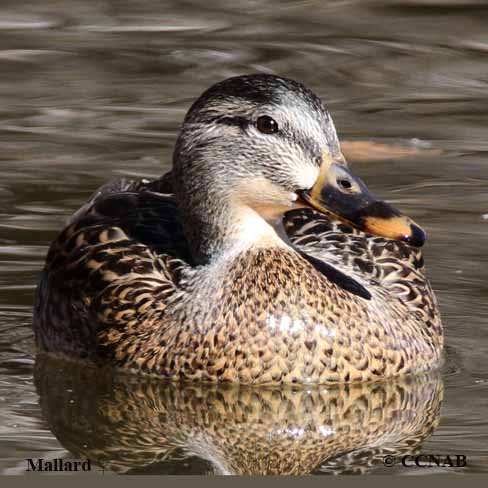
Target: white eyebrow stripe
(309, 124)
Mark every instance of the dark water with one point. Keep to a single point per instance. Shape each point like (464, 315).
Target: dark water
(94, 90)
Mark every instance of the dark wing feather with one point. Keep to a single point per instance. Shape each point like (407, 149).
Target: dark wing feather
(115, 265)
(384, 265)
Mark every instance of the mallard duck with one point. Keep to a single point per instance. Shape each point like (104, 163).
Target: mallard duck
(260, 258)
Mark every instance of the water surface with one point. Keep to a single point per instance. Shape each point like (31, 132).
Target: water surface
(95, 90)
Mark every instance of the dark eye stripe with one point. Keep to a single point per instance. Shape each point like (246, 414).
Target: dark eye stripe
(236, 121)
(285, 131)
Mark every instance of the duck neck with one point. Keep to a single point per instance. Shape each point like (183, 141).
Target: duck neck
(218, 228)
(217, 219)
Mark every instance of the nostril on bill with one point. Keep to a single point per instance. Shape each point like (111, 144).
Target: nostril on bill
(346, 184)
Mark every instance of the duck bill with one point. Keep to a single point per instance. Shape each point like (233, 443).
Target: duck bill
(339, 193)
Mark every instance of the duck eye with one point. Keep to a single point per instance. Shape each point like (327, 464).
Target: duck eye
(266, 124)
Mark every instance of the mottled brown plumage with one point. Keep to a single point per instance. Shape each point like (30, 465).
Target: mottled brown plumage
(202, 286)
(142, 425)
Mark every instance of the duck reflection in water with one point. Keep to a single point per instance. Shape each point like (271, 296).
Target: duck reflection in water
(142, 425)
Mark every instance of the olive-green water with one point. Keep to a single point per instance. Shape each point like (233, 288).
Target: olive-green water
(90, 91)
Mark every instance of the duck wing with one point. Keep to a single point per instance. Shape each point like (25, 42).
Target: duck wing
(114, 267)
(389, 268)
(340, 244)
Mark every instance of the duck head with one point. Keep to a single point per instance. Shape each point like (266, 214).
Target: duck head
(253, 147)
